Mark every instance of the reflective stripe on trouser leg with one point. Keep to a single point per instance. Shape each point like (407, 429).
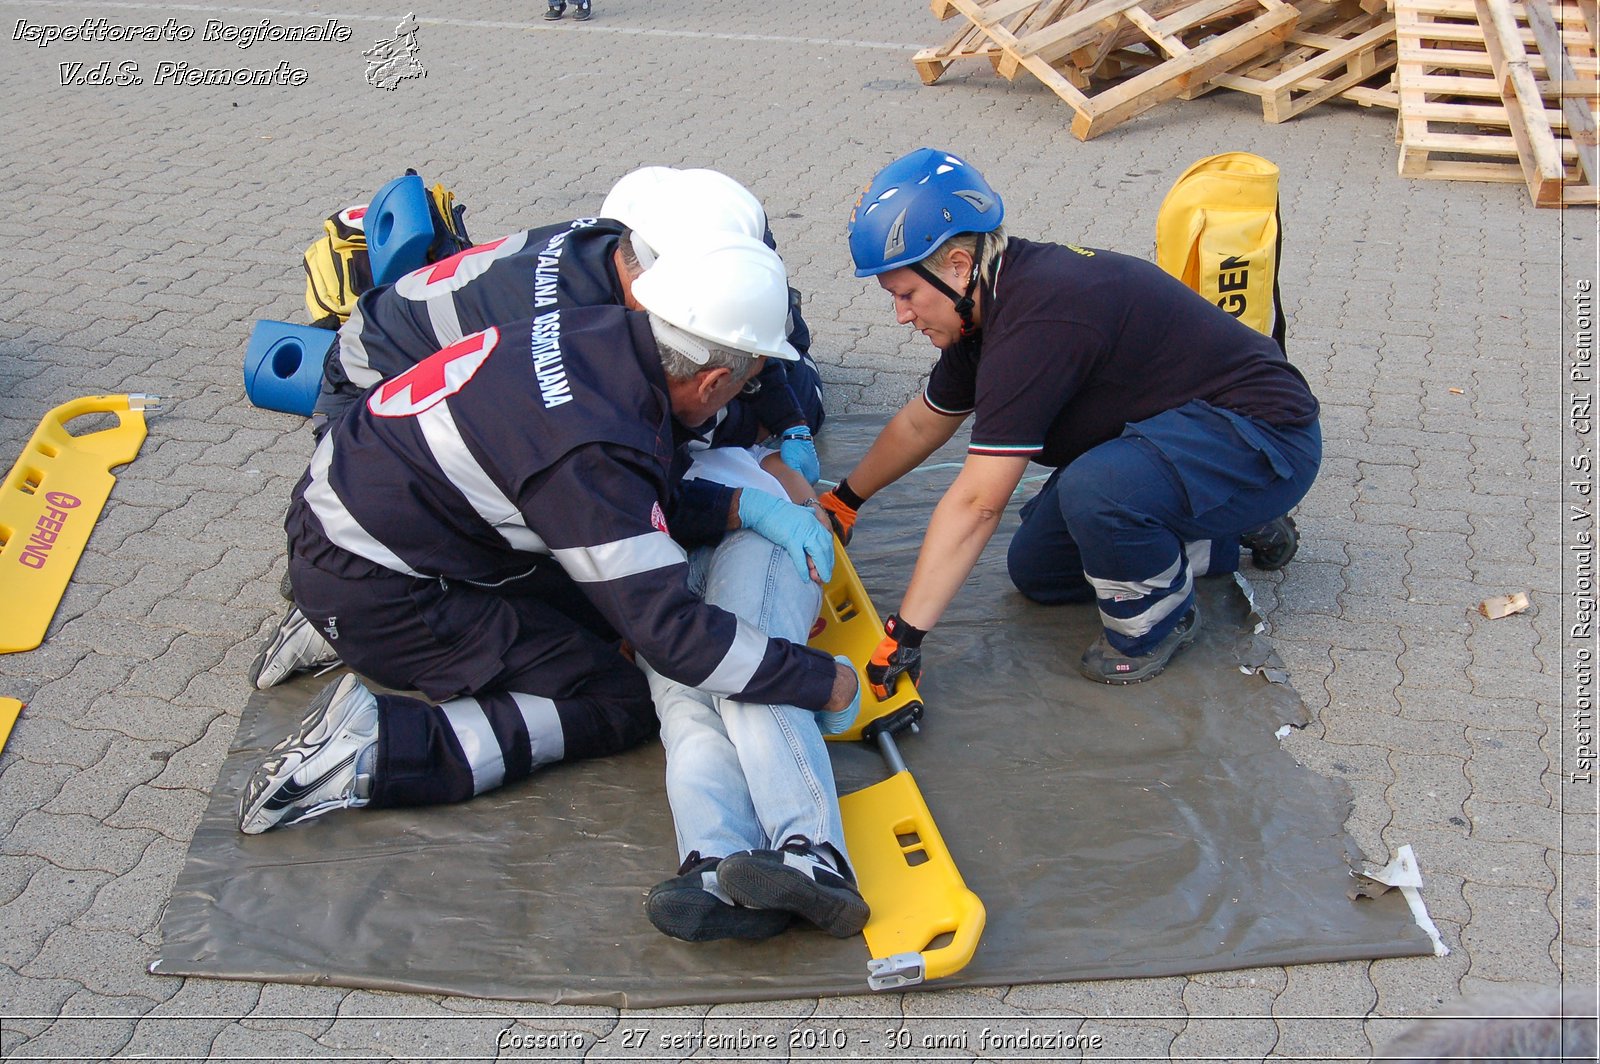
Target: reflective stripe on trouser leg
(546, 740)
(1121, 504)
(432, 754)
(479, 747)
(536, 728)
(1138, 613)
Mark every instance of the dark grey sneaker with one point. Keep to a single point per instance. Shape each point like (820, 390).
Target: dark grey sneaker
(320, 767)
(554, 11)
(1103, 664)
(1273, 545)
(798, 878)
(580, 11)
(692, 906)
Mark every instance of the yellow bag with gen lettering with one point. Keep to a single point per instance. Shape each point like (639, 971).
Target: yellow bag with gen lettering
(1218, 231)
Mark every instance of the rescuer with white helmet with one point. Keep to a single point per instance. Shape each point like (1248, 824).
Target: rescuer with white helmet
(499, 526)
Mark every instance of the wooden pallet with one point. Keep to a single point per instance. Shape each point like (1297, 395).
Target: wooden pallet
(1175, 46)
(969, 42)
(1386, 94)
(1078, 50)
(1451, 122)
(1536, 128)
(1331, 54)
(1454, 123)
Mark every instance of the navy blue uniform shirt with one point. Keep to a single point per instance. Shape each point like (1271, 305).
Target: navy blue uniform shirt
(1077, 343)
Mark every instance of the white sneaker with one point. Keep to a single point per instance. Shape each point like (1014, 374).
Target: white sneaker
(320, 767)
(295, 647)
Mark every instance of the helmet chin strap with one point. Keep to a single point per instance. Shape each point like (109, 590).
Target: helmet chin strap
(964, 302)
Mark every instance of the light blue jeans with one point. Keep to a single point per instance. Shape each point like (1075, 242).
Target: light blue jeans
(744, 775)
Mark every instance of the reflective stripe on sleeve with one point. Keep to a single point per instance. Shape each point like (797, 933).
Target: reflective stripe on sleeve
(444, 320)
(620, 558)
(734, 672)
(353, 353)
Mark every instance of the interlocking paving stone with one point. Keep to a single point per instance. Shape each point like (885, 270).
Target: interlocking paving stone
(1225, 1031)
(1515, 936)
(98, 789)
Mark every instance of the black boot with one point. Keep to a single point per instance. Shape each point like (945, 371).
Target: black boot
(1273, 544)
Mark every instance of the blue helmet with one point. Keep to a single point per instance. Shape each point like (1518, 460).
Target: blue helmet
(914, 205)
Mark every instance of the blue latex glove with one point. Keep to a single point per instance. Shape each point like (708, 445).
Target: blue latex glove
(799, 453)
(840, 720)
(792, 527)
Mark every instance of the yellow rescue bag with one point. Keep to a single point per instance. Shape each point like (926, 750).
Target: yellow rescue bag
(1218, 231)
(337, 266)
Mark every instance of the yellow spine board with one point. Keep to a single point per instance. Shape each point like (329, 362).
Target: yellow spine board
(902, 865)
(49, 503)
(10, 709)
(909, 878)
(850, 626)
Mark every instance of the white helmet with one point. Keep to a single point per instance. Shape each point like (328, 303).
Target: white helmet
(635, 187)
(663, 205)
(723, 288)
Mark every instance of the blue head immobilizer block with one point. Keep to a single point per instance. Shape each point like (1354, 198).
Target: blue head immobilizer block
(399, 229)
(283, 365)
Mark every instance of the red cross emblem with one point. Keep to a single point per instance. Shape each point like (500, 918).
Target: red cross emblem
(434, 379)
(449, 274)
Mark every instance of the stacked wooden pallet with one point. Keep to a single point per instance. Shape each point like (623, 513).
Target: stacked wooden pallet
(1113, 59)
(1493, 90)
(1333, 52)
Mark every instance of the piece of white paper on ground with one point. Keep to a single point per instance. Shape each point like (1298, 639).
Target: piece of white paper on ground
(1404, 874)
(1250, 596)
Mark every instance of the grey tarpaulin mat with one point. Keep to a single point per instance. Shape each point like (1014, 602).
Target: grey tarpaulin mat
(1144, 831)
